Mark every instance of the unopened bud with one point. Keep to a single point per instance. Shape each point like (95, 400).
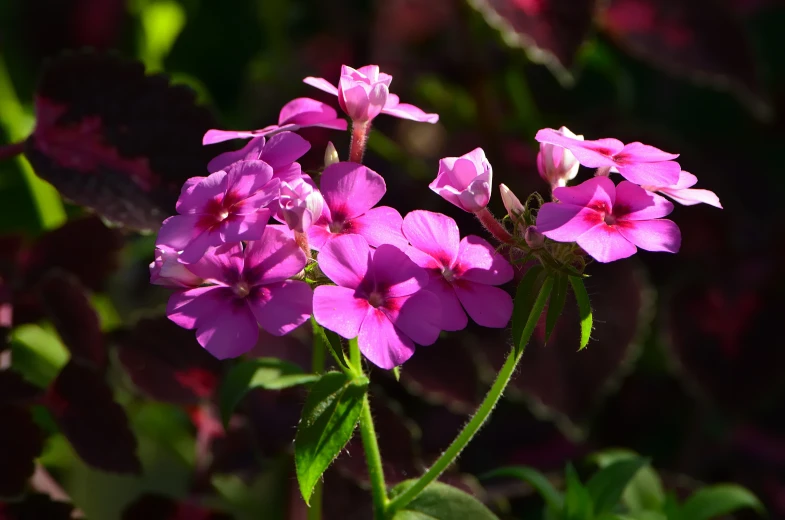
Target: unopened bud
(534, 239)
(558, 165)
(301, 203)
(511, 203)
(330, 155)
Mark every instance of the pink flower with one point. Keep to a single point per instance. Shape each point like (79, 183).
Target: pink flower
(636, 162)
(558, 165)
(301, 203)
(608, 221)
(350, 192)
(465, 181)
(228, 206)
(167, 270)
(683, 193)
(462, 272)
(280, 151)
(297, 113)
(365, 93)
(378, 299)
(251, 288)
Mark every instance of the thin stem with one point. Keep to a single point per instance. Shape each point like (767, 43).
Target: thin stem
(11, 150)
(485, 409)
(493, 226)
(317, 367)
(318, 331)
(302, 243)
(360, 133)
(354, 357)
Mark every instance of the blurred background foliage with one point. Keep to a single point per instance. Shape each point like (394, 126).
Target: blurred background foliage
(687, 363)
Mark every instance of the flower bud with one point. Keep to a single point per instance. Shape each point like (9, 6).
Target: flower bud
(301, 203)
(330, 155)
(557, 165)
(465, 181)
(511, 203)
(167, 270)
(534, 239)
(363, 93)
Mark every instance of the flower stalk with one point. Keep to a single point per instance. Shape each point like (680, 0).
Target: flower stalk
(360, 132)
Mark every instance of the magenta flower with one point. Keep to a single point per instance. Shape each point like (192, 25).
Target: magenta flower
(636, 162)
(379, 299)
(301, 203)
(227, 206)
(365, 93)
(556, 164)
(167, 270)
(465, 181)
(251, 288)
(350, 192)
(297, 113)
(462, 272)
(683, 193)
(280, 151)
(609, 221)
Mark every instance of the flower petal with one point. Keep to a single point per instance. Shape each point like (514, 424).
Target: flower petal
(245, 178)
(229, 331)
(351, 189)
(565, 222)
(639, 152)
(338, 309)
(306, 112)
(479, 262)
(411, 112)
(196, 198)
(281, 150)
(488, 306)
(605, 243)
(322, 84)
(395, 274)
(381, 343)
(273, 258)
(238, 228)
(197, 247)
(651, 174)
(178, 231)
(251, 151)
(221, 265)
(345, 260)
(691, 196)
(282, 306)
(188, 308)
(635, 203)
(381, 225)
(596, 191)
(592, 154)
(452, 316)
(418, 316)
(652, 235)
(213, 135)
(434, 234)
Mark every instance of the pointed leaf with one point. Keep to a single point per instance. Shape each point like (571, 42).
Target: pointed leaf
(584, 309)
(556, 303)
(439, 501)
(719, 500)
(577, 500)
(644, 492)
(535, 479)
(525, 296)
(266, 373)
(330, 414)
(607, 485)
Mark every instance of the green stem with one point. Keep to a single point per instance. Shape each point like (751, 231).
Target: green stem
(318, 332)
(485, 409)
(317, 367)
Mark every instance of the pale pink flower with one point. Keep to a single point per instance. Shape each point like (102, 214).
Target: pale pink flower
(465, 181)
(557, 165)
(609, 221)
(379, 299)
(350, 192)
(683, 193)
(364, 93)
(249, 288)
(297, 113)
(227, 206)
(638, 163)
(167, 270)
(280, 152)
(462, 271)
(301, 203)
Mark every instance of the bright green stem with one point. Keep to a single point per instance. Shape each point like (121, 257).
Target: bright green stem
(315, 508)
(485, 409)
(317, 367)
(360, 133)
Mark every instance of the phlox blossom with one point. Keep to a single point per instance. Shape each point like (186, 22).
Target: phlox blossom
(364, 93)
(301, 203)
(297, 113)
(280, 152)
(167, 270)
(379, 299)
(227, 206)
(637, 162)
(556, 164)
(465, 181)
(609, 221)
(683, 192)
(462, 271)
(248, 288)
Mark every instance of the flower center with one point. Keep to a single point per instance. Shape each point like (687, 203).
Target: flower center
(448, 274)
(609, 219)
(336, 226)
(376, 299)
(241, 289)
(223, 214)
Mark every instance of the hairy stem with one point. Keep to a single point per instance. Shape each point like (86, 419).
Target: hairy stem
(302, 242)
(360, 133)
(494, 227)
(482, 414)
(9, 151)
(317, 367)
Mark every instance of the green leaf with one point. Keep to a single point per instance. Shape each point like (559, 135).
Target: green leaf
(607, 485)
(267, 373)
(584, 309)
(644, 492)
(577, 500)
(535, 479)
(439, 501)
(722, 499)
(330, 414)
(556, 304)
(525, 296)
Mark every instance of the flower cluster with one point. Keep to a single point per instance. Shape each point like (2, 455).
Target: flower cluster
(258, 243)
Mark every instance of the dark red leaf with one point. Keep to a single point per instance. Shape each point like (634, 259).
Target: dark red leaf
(14, 389)
(83, 406)
(165, 361)
(152, 506)
(702, 39)
(36, 507)
(66, 304)
(21, 441)
(551, 31)
(117, 141)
